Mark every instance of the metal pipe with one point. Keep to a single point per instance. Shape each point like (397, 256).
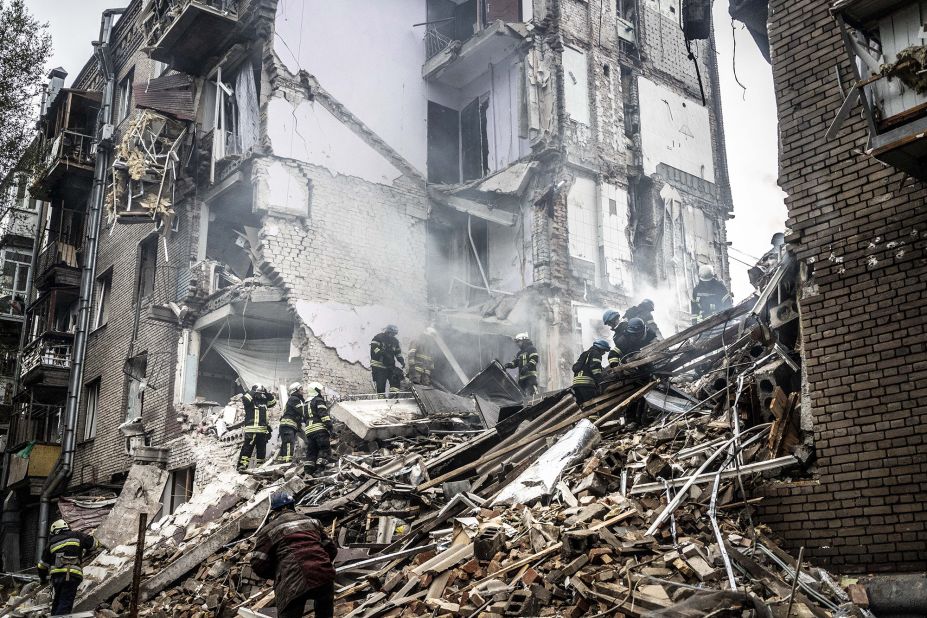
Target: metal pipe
(476, 256)
(88, 272)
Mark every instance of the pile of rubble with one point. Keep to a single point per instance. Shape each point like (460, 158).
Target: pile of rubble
(638, 504)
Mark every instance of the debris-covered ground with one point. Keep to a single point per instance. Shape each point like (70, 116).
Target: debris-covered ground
(637, 504)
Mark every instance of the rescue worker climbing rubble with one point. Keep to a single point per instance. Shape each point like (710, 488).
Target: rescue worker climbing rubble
(318, 430)
(709, 295)
(632, 340)
(62, 561)
(644, 310)
(385, 352)
(256, 428)
(526, 361)
(294, 415)
(295, 552)
(587, 372)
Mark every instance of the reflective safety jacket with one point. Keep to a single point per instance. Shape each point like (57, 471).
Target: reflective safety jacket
(64, 554)
(710, 297)
(421, 359)
(587, 370)
(526, 360)
(626, 344)
(256, 405)
(294, 415)
(318, 419)
(385, 351)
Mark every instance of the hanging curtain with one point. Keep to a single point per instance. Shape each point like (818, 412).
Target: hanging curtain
(260, 361)
(247, 99)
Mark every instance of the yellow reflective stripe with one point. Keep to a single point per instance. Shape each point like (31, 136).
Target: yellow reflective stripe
(289, 422)
(315, 427)
(378, 364)
(42, 566)
(528, 374)
(55, 548)
(534, 355)
(326, 419)
(583, 381)
(72, 570)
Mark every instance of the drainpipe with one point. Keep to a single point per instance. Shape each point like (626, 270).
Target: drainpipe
(88, 271)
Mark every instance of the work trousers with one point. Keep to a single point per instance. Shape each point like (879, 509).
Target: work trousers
(529, 386)
(383, 376)
(253, 442)
(323, 603)
(317, 444)
(287, 443)
(65, 592)
(582, 394)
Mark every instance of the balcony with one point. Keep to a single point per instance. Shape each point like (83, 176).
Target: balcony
(47, 360)
(453, 63)
(69, 156)
(189, 32)
(58, 265)
(38, 462)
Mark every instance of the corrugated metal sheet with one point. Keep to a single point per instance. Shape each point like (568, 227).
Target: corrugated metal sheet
(85, 514)
(169, 94)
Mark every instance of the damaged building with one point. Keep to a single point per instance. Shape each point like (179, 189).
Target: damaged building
(278, 187)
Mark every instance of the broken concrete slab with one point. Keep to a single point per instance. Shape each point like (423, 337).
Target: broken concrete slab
(377, 419)
(141, 493)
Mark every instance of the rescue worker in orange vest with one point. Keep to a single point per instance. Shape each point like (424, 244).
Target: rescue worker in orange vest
(256, 428)
(526, 360)
(62, 560)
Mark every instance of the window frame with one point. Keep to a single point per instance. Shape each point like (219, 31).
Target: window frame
(125, 98)
(103, 291)
(91, 414)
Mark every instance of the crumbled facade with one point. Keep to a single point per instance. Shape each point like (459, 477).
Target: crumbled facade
(500, 167)
(859, 227)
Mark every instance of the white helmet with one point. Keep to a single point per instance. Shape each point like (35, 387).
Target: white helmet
(295, 386)
(314, 386)
(59, 525)
(522, 337)
(706, 272)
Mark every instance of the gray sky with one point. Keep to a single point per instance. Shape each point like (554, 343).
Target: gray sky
(749, 119)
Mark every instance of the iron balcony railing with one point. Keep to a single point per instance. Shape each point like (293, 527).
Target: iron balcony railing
(70, 147)
(436, 39)
(57, 253)
(47, 351)
(39, 422)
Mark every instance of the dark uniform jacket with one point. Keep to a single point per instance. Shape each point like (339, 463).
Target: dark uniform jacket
(256, 405)
(64, 554)
(527, 362)
(587, 370)
(385, 351)
(295, 551)
(628, 344)
(294, 414)
(421, 358)
(318, 419)
(710, 297)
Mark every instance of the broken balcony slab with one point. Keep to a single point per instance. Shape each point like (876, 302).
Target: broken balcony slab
(141, 493)
(461, 63)
(378, 419)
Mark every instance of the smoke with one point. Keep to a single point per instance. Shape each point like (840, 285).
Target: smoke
(670, 312)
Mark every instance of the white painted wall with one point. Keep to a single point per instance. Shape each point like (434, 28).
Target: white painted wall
(576, 84)
(583, 219)
(617, 248)
(674, 130)
(372, 65)
(308, 132)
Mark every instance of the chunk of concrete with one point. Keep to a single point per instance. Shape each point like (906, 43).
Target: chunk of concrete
(141, 493)
(377, 419)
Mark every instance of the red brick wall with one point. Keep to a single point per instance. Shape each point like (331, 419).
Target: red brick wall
(861, 227)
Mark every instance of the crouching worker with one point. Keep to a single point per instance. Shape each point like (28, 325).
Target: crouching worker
(318, 430)
(587, 372)
(256, 428)
(295, 552)
(62, 559)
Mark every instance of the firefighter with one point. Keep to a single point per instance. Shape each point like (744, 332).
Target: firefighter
(294, 415)
(710, 295)
(612, 319)
(644, 310)
(634, 337)
(422, 359)
(295, 551)
(587, 372)
(61, 560)
(256, 428)
(318, 430)
(384, 354)
(526, 360)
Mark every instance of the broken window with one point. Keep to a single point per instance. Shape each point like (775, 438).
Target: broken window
(135, 369)
(104, 287)
(474, 143)
(478, 260)
(16, 266)
(147, 264)
(91, 405)
(443, 144)
(230, 112)
(124, 97)
(180, 486)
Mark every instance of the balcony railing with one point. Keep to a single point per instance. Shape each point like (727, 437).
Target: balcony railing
(70, 147)
(186, 32)
(57, 253)
(436, 41)
(47, 351)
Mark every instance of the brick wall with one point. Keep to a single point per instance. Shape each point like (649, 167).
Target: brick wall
(861, 227)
